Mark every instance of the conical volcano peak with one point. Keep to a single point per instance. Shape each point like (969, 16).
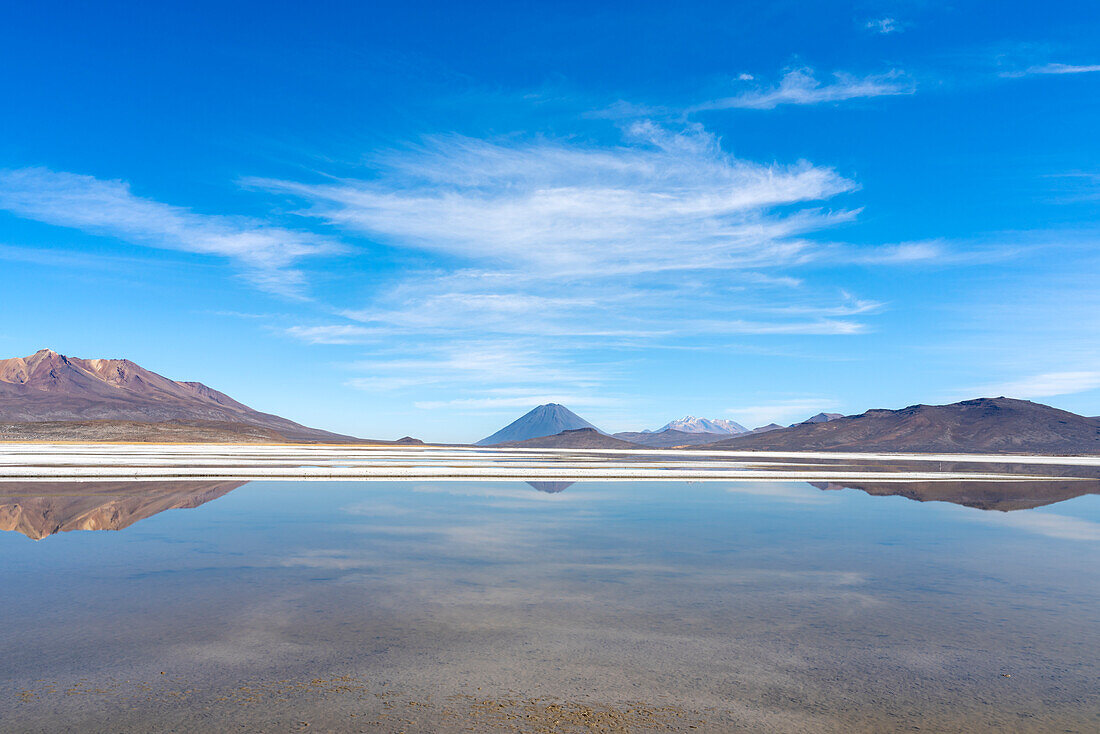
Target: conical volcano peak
(545, 420)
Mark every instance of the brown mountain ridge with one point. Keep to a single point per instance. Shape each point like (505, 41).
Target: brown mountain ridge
(982, 426)
(77, 395)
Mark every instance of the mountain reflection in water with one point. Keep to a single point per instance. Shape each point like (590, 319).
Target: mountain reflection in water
(41, 509)
(551, 487)
(457, 606)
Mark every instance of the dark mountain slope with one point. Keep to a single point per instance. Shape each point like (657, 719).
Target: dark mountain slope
(820, 418)
(986, 425)
(580, 438)
(545, 420)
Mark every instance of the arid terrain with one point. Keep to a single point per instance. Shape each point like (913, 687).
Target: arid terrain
(982, 426)
(114, 399)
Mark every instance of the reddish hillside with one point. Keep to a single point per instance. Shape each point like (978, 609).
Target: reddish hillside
(50, 387)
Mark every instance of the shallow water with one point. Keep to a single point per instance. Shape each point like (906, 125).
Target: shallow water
(501, 606)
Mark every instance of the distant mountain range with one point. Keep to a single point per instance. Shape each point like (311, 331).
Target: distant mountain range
(819, 418)
(703, 431)
(986, 425)
(692, 431)
(555, 426)
(61, 398)
(545, 420)
(50, 397)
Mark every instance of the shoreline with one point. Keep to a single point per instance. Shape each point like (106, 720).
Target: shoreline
(159, 462)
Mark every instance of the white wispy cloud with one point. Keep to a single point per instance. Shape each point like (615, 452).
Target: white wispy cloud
(332, 334)
(485, 374)
(390, 383)
(781, 411)
(266, 254)
(662, 235)
(883, 25)
(500, 304)
(520, 401)
(1062, 527)
(848, 306)
(802, 494)
(610, 312)
(801, 87)
(820, 326)
(499, 368)
(898, 254)
(557, 259)
(562, 251)
(664, 200)
(547, 349)
(926, 252)
(1055, 69)
(1046, 385)
(1076, 186)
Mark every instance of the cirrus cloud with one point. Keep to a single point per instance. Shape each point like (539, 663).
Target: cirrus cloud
(781, 411)
(664, 200)
(801, 87)
(883, 25)
(1048, 384)
(265, 253)
(1053, 68)
(548, 252)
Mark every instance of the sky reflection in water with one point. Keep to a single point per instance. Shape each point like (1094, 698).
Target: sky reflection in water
(766, 605)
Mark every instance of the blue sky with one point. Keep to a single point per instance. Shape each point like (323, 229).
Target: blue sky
(427, 219)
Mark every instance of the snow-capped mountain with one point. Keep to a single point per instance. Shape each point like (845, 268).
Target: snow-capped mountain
(691, 424)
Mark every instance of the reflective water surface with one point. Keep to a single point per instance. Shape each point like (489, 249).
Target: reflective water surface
(549, 606)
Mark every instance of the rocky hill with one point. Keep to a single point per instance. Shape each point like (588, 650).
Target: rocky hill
(50, 388)
(983, 426)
